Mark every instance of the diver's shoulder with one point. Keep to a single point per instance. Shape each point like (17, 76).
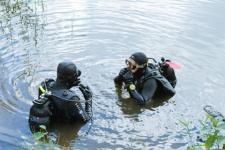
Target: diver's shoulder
(47, 82)
(72, 94)
(65, 94)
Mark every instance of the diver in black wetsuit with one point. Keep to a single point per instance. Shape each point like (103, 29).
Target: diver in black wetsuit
(144, 80)
(57, 102)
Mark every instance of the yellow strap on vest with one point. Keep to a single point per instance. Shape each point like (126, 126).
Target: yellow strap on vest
(42, 89)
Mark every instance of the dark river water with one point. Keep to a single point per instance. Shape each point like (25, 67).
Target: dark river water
(35, 35)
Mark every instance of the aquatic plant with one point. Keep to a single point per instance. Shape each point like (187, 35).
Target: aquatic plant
(22, 18)
(42, 140)
(210, 133)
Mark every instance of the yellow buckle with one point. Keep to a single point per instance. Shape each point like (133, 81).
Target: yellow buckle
(132, 87)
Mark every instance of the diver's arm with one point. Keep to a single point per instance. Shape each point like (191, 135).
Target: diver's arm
(88, 109)
(146, 94)
(149, 89)
(137, 97)
(118, 80)
(82, 113)
(86, 114)
(87, 93)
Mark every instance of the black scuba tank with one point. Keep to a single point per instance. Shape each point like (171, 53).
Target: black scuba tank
(164, 69)
(40, 113)
(167, 72)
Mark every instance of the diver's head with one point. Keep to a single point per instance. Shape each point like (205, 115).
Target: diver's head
(137, 62)
(68, 74)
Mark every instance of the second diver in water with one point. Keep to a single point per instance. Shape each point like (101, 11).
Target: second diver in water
(56, 100)
(145, 80)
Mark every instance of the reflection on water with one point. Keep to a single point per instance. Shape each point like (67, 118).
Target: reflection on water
(35, 35)
(24, 15)
(65, 134)
(131, 109)
(21, 27)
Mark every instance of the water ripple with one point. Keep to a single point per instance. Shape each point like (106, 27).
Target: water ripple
(98, 35)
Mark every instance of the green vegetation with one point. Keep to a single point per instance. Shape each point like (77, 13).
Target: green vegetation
(210, 135)
(22, 21)
(42, 140)
(22, 16)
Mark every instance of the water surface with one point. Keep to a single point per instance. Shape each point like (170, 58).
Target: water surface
(98, 35)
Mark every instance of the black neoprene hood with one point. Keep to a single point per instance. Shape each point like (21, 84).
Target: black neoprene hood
(140, 58)
(66, 69)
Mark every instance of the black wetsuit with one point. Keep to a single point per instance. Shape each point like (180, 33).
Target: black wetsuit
(62, 104)
(145, 94)
(148, 83)
(66, 104)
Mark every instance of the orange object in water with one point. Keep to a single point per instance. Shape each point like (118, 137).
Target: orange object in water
(173, 65)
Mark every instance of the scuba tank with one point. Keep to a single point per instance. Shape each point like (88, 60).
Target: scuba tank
(40, 112)
(164, 69)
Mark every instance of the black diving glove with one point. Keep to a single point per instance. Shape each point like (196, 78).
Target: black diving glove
(128, 78)
(86, 91)
(119, 79)
(76, 82)
(123, 72)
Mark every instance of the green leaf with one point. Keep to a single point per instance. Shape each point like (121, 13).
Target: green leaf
(38, 135)
(210, 141)
(213, 120)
